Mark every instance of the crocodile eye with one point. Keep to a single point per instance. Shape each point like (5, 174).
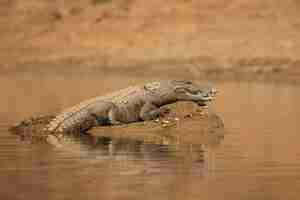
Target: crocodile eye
(192, 91)
(181, 90)
(205, 94)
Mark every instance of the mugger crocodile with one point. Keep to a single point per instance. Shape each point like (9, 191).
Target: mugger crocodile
(136, 103)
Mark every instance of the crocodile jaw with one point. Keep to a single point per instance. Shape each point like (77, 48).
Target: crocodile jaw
(203, 102)
(203, 99)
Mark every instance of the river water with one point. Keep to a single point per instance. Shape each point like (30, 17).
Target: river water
(258, 156)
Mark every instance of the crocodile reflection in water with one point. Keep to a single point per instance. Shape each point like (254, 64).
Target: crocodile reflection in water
(146, 155)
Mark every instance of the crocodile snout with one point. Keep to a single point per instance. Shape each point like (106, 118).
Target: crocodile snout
(206, 96)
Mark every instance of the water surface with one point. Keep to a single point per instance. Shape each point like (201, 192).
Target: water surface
(258, 156)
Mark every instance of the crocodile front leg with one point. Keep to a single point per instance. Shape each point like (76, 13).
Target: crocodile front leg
(149, 111)
(105, 113)
(113, 116)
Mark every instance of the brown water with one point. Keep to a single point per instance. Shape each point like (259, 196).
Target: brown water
(257, 158)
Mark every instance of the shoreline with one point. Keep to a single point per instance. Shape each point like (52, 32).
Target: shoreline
(285, 71)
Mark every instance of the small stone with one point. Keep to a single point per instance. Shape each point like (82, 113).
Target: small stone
(188, 116)
(60, 136)
(51, 139)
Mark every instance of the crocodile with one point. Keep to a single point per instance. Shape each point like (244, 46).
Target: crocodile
(132, 104)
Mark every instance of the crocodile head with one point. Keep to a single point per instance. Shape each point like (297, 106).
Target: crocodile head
(188, 91)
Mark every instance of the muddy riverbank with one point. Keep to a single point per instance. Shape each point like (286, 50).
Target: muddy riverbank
(268, 69)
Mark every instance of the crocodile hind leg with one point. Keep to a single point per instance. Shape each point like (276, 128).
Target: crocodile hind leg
(100, 120)
(105, 113)
(91, 121)
(114, 116)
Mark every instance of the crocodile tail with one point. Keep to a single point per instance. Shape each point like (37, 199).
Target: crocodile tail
(67, 120)
(71, 117)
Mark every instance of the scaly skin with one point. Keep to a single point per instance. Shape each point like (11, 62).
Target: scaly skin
(132, 104)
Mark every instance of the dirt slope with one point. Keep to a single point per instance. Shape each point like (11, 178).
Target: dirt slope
(239, 35)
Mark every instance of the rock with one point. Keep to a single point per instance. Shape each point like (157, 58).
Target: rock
(174, 128)
(53, 140)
